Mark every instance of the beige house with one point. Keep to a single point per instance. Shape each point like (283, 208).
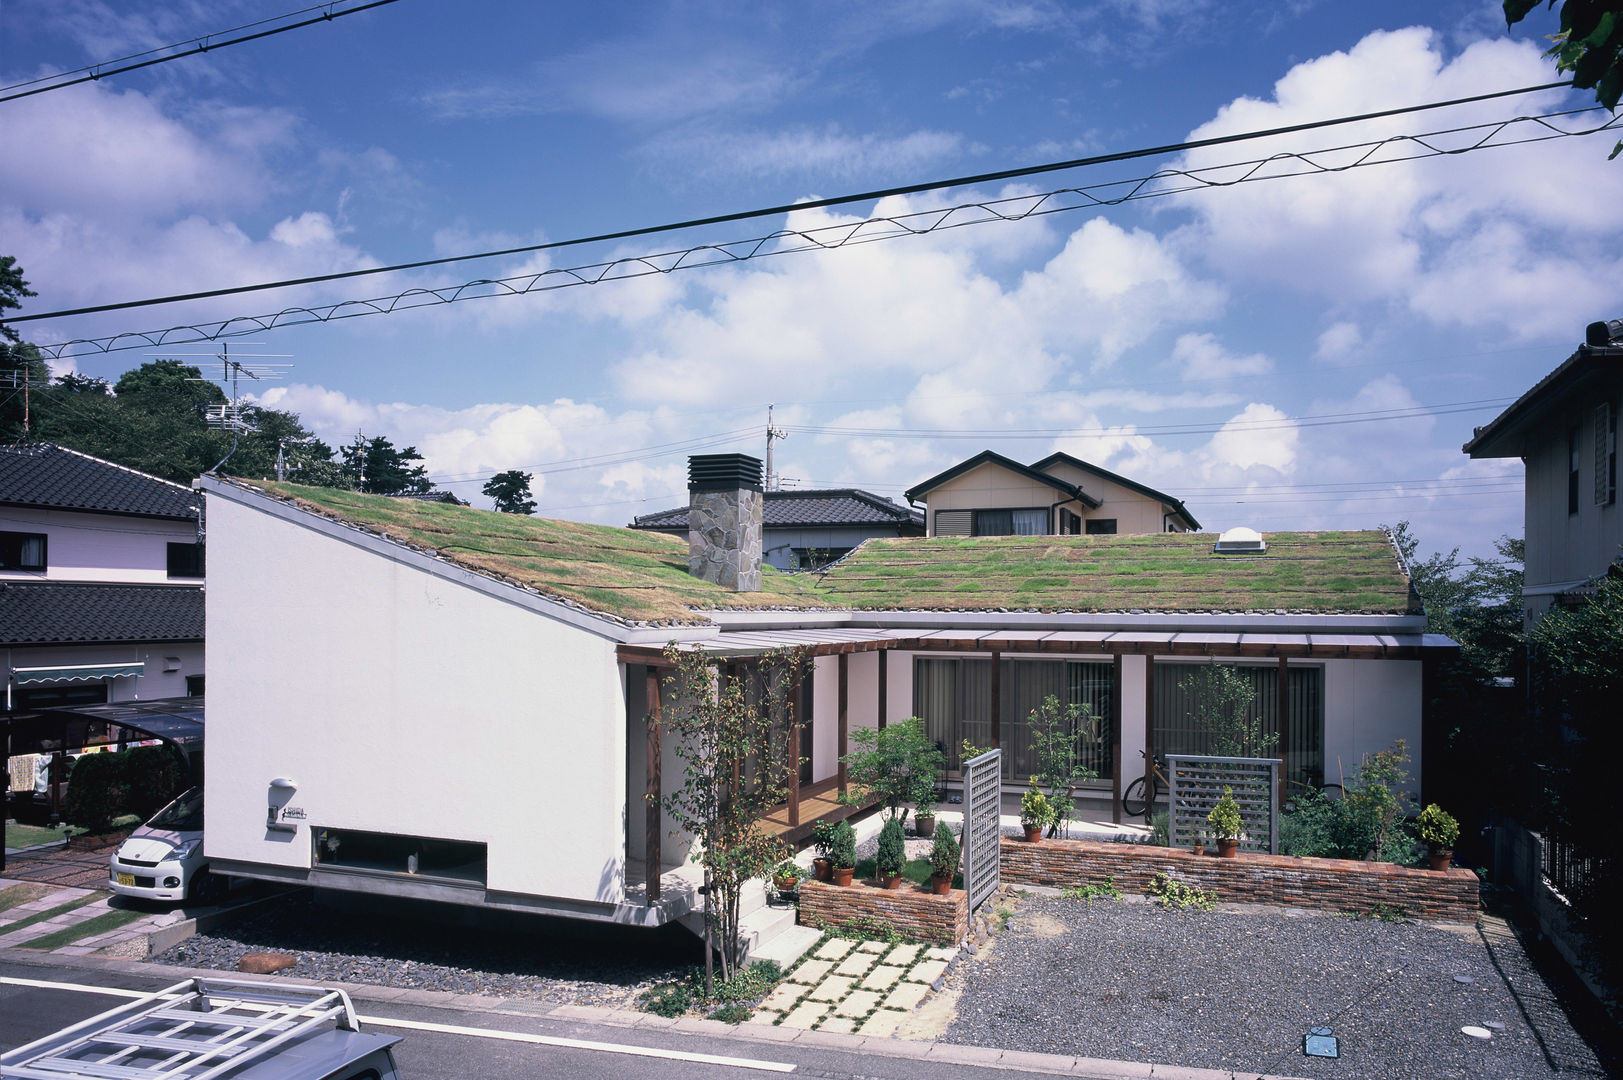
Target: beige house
(1565, 431)
(991, 495)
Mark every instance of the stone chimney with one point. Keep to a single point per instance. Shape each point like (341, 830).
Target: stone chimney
(724, 520)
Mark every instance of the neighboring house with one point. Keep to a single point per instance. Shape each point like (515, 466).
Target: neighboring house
(807, 529)
(1565, 431)
(433, 496)
(101, 581)
(452, 705)
(991, 495)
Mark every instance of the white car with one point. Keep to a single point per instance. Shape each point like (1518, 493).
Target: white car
(163, 859)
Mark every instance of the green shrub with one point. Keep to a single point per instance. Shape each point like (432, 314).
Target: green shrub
(823, 839)
(1035, 812)
(1225, 820)
(1161, 830)
(1173, 893)
(153, 775)
(97, 792)
(671, 1000)
(892, 855)
(843, 850)
(1437, 828)
(1308, 827)
(732, 1014)
(944, 852)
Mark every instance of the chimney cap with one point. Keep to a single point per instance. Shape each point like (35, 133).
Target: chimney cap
(724, 472)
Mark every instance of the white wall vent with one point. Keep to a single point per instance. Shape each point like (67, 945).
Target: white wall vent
(1240, 540)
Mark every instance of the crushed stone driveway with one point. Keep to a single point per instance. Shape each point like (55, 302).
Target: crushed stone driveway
(1239, 989)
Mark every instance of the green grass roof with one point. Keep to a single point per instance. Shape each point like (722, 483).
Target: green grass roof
(642, 576)
(625, 573)
(1315, 572)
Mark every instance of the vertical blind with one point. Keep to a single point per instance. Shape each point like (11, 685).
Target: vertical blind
(1175, 729)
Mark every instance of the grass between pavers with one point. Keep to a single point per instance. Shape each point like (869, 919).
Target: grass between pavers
(22, 893)
(51, 913)
(100, 924)
(880, 956)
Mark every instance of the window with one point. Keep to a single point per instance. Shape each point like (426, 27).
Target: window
(1070, 523)
(185, 560)
(1177, 727)
(1101, 526)
(417, 856)
(1021, 522)
(22, 551)
(1572, 470)
(194, 686)
(1605, 455)
(815, 558)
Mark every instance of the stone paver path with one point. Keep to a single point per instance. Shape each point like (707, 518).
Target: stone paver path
(852, 987)
(70, 907)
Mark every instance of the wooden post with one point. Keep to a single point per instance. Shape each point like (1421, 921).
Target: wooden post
(1115, 738)
(884, 695)
(793, 725)
(1284, 699)
(654, 821)
(844, 721)
(997, 700)
(1149, 735)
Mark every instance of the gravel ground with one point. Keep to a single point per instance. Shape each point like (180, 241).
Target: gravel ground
(574, 965)
(1239, 989)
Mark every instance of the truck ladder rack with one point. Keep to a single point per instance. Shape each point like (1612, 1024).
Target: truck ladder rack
(190, 1031)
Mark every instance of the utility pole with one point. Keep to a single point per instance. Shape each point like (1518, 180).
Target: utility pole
(772, 435)
(281, 463)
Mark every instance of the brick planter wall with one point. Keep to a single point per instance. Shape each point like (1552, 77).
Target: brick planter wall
(914, 912)
(1324, 884)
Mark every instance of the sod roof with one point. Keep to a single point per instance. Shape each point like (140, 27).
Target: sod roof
(640, 576)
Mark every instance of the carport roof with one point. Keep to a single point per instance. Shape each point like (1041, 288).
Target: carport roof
(174, 720)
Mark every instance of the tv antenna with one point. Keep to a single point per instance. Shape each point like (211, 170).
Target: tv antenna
(255, 367)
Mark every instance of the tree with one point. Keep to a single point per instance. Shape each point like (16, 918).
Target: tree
(383, 470)
(736, 759)
(1590, 45)
(511, 491)
(1058, 762)
(896, 764)
(1222, 704)
(1478, 604)
(21, 369)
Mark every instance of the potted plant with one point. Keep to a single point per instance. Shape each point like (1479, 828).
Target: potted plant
(1226, 824)
(943, 860)
(1438, 831)
(1200, 842)
(823, 841)
(843, 853)
(785, 877)
(1035, 812)
(892, 854)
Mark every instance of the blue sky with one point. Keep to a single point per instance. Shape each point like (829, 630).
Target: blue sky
(1200, 342)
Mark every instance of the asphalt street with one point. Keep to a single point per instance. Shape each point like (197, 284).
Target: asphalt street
(456, 1037)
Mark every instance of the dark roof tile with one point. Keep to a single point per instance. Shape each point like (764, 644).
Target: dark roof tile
(789, 509)
(54, 477)
(72, 612)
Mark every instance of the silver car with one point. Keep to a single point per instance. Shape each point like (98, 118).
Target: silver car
(163, 859)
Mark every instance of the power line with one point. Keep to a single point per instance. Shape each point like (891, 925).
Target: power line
(206, 43)
(832, 237)
(812, 204)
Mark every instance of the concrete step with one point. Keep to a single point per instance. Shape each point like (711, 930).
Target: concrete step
(789, 945)
(762, 926)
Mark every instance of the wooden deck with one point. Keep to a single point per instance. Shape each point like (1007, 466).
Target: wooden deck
(818, 802)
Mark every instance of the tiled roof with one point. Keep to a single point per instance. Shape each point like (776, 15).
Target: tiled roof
(71, 612)
(54, 477)
(792, 509)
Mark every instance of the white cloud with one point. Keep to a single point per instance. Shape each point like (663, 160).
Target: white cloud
(1204, 358)
(829, 153)
(1338, 341)
(1431, 231)
(1260, 435)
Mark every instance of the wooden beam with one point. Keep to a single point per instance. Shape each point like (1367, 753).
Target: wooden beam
(997, 699)
(654, 825)
(1149, 734)
(844, 728)
(794, 755)
(1115, 738)
(1284, 702)
(884, 686)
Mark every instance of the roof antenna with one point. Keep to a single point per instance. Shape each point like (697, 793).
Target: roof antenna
(772, 435)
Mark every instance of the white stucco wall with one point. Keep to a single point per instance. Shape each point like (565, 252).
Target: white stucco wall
(826, 714)
(99, 547)
(1368, 705)
(402, 702)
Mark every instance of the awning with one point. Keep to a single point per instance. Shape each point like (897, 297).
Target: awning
(75, 673)
(48, 731)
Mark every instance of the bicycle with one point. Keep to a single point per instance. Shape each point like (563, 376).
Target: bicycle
(1133, 801)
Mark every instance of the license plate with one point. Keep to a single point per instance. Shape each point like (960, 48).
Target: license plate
(126, 879)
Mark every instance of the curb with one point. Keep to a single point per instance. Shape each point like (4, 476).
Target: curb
(946, 1053)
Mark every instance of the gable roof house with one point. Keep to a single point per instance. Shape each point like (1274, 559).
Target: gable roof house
(451, 704)
(101, 581)
(992, 495)
(809, 528)
(1565, 431)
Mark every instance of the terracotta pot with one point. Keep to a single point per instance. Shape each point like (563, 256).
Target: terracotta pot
(923, 824)
(1034, 833)
(1227, 849)
(894, 881)
(1440, 860)
(940, 886)
(1199, 849)
(842, 875)
(823, 869)
(785, 884)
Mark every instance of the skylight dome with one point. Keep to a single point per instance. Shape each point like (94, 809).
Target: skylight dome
(1240, 540)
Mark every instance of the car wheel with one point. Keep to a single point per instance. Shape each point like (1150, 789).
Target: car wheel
(206, 888)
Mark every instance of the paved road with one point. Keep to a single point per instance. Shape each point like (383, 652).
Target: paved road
(463, 1037)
